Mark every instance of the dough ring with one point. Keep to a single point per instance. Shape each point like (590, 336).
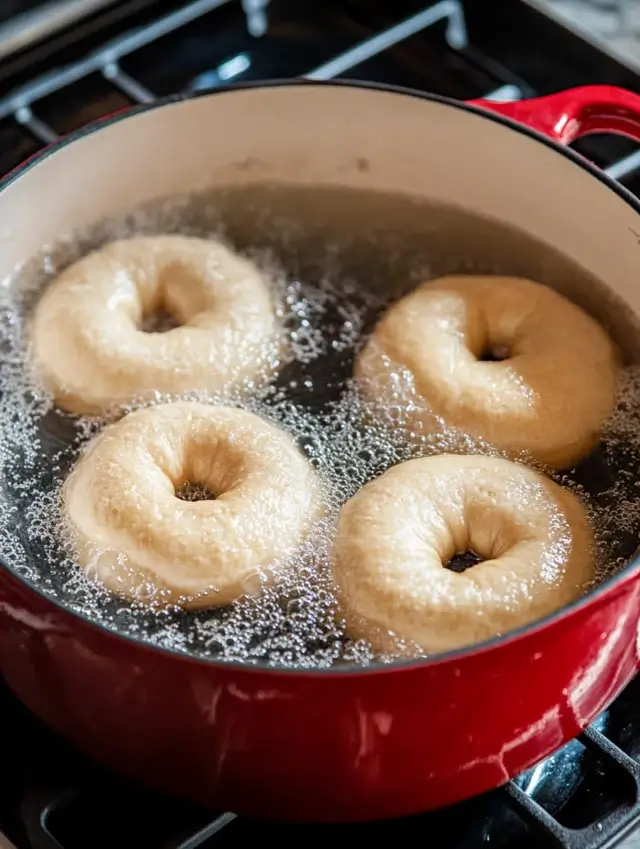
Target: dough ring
(396, 535)
(88, 343)
(547, 396)
(142, 542)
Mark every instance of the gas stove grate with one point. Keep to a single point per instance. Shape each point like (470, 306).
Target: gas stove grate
(603, 833)
(21, 104)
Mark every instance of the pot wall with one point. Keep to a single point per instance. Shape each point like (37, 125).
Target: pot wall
(324, 746)
(357, 137)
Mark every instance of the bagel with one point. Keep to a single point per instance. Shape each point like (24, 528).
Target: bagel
(398, 533)
(545, 389)
(89, 347)
(133, 533)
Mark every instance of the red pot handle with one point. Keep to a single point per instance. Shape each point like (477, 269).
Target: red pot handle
(577, 112)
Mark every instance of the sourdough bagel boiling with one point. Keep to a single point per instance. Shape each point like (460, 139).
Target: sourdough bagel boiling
(135, 535)
(396, 535)
(88, 343)
(547, 395)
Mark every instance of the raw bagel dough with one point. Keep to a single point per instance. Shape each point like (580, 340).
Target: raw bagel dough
(398, 532)
(92, 354)
(548, 398)
(136, 536)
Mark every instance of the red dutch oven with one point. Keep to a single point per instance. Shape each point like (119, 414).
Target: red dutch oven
(338, 744)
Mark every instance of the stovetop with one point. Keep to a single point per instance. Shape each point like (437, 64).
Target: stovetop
(117, 53)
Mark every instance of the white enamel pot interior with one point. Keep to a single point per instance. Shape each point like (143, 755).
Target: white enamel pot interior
(329, 135)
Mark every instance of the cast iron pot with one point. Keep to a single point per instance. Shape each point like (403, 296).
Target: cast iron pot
(333, 745)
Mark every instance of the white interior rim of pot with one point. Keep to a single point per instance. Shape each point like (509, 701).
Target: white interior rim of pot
(628, 573)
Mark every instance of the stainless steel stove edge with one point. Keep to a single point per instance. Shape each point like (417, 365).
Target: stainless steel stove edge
(576, 17)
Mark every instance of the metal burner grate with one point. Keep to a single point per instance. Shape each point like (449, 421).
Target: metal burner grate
(623, 773)
(23, 105)
(19, 104)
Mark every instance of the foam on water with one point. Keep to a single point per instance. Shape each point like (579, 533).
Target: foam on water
(329, 299)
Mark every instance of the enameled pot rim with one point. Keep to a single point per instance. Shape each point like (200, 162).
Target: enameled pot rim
(627, 574)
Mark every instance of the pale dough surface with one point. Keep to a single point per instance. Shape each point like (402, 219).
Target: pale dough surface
(91, 352)
(549, 398)
(135, 535)
(395, 535)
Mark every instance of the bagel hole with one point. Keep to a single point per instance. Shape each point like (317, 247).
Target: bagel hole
(191, 491)
(159, 321)
(462, 561)
(495, 354)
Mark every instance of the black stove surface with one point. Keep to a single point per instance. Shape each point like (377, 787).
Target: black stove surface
(587, 795)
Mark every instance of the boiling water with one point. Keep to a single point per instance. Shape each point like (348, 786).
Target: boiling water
(336, 259)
